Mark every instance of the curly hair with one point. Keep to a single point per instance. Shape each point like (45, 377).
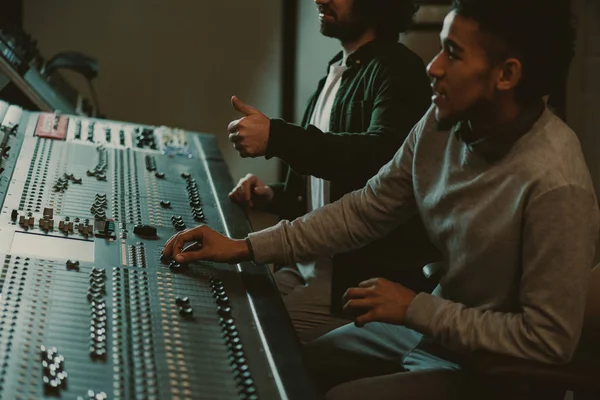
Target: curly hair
(388, 17)
(540, 33)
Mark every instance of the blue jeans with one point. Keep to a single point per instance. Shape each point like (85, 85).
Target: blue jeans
(383, 361)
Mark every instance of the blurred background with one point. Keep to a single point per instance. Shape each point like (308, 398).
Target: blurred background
(177, 63)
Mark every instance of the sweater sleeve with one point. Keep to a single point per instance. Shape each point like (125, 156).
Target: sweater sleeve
(351, 222)
(559, 234)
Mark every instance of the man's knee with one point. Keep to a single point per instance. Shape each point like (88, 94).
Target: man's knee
(333, 361)
(288, 279)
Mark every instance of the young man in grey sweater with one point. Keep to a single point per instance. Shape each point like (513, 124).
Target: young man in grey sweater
(503, 190)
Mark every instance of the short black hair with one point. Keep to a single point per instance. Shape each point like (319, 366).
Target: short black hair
(389, 17)
(540, 33)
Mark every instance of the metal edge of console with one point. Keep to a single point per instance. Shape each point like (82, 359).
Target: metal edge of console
(279, 338)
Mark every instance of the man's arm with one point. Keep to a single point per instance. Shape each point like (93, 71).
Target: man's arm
(288, 201)
(351, 222)
(402, 96)
(561, 227)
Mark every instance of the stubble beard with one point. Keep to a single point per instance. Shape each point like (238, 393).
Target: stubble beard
(343, 31)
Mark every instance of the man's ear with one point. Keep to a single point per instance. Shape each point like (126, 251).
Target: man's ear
(511, 73)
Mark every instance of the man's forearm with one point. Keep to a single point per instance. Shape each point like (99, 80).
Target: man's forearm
(351, 222)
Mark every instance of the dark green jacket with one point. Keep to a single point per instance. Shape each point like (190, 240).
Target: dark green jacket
(383, 94)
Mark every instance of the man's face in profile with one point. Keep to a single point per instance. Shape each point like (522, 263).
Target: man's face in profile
(339, 20)
(462, 77)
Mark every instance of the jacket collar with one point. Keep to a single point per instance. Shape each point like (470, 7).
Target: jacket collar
(363, 54)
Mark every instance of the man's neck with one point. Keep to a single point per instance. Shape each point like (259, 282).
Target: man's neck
(350, 46)
(497, 116)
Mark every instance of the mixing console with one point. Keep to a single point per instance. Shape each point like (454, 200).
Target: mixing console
(87, 309)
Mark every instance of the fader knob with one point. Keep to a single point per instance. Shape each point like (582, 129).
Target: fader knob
(223, 301)
(72, 265)
(224, 311)
(182, 301)
(145, 230)
(174, 266)
(186, 311)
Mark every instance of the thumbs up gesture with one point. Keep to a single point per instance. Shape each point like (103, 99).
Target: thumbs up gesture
(249, 134)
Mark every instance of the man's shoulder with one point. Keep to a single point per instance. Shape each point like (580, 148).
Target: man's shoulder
(397, 62)
(396, 55)
(551, 151)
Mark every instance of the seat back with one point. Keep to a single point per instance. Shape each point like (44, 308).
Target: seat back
(591, 325)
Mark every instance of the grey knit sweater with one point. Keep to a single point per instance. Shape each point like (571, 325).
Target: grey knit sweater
(514, 214)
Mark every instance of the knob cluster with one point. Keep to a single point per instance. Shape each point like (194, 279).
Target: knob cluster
(78, 129)
(90, 136)
(178, 224)
(98, 209)
(137, 255)
(100, 170)
(184, 307)
(144, 138)
(235, 348)
(84, 228)
(194, 197)
(62, 182)
(150, 163)
(46, 223)
(26, 222)
(91, 395)
(61, 185)
(54, 375)
(73, 179)
(98, 330)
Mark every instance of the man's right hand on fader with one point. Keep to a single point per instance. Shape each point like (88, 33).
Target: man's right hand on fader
(251, 192)
(207, 245)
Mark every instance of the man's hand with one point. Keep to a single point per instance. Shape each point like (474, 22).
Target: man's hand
(205, 244)
(378, 300)
(250, 133)
(251, 192)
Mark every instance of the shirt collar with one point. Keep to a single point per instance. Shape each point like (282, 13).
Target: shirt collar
(497, 141)
(362, 55)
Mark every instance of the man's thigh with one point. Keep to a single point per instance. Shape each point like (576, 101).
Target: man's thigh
(349, 353)
(309, 307)
(288, 279)
(417, 385)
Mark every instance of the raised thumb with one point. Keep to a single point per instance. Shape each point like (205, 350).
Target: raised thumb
(243, 107)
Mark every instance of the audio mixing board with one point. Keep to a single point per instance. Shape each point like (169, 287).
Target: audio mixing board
(87, 309)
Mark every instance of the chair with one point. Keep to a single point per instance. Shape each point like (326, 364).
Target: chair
(549, 382)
